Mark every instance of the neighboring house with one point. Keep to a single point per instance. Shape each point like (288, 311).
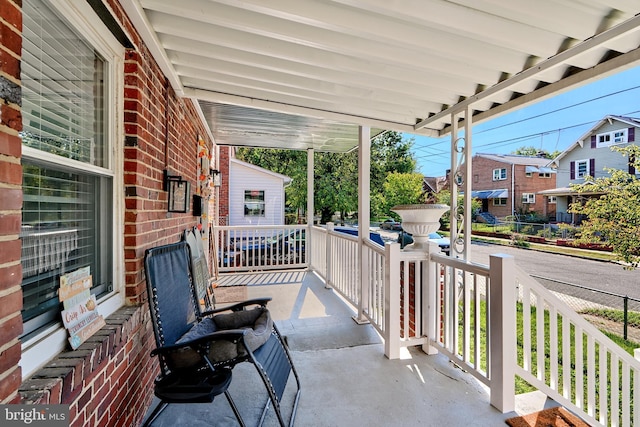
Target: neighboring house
(508, 183)
(589, 156)
(432, 185)
(256, 195)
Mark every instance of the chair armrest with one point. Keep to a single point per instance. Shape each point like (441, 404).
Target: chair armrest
(227, 335)
(238, 306)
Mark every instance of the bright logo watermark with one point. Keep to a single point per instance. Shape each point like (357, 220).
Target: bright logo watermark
(34, 415)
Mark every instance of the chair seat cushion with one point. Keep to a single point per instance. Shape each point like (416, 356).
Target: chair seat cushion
(256, 321)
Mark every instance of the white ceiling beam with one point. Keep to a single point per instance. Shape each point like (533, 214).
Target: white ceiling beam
(620, 30)
(361, 75)
(225, 98)
(214, 23)
(243, 43)
(381, 90)
(366, 23)
(371, 110)
(616, 65)
(139, 20)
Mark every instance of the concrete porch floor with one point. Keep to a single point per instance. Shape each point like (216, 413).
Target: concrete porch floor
(345, 378)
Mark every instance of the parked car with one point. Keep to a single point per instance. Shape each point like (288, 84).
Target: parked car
(283, 248)
(376, 237)
(391, 224)
(443, 242)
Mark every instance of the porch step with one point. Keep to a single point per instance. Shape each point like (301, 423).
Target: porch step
(533, 407)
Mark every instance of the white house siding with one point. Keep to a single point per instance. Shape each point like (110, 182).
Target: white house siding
(603, 157)
(246, 177)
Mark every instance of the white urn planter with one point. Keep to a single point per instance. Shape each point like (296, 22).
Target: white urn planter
(420, 220)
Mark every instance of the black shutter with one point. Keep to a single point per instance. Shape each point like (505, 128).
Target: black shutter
(593, 141)
(572, 169)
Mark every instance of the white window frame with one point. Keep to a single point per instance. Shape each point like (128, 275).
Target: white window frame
(614, 137)
(544, 175)
(263, 202)
(500, 174)
(528, 198)
(500, 201)
(47, 343)
(553, 200)
(577, 169)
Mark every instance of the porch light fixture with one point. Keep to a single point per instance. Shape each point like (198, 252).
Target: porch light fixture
(178, 192)
(217, 177)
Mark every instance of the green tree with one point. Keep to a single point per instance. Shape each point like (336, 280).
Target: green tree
(402, 189)
(536, 152)
(613, 217)
(336, 174)
(292, 163)
(389, 154)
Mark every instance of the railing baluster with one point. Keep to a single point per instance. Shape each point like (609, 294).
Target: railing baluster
(591, 376)
(579, 355)
(553, 347)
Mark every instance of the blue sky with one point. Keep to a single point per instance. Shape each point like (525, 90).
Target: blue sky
(549, 125)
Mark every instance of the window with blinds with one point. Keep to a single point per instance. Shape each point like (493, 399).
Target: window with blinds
(67, 204)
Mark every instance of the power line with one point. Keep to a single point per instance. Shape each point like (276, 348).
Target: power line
(544, 114)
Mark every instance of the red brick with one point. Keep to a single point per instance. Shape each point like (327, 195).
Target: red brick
(11, 117)
(10, 251)
(10, 357)
(12, 14)
(10, 38)
(10, 302)
(9, 385)
(10, 199)
(10, 275)
(9, 224)
(11, 145)
(10, 173)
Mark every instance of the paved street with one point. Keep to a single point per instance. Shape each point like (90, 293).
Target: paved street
(599, 275)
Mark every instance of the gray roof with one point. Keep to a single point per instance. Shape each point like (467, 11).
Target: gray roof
(515, 159)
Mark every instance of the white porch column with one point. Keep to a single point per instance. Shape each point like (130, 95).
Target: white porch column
(502, 324)
(392, 300)
(364, 214)
(310, 204)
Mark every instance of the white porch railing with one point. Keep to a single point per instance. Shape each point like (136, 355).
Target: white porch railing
(485, 319)
(260, 247)
(580, 367)
(474, 322)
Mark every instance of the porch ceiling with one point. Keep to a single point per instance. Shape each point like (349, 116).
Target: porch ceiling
(298, 74)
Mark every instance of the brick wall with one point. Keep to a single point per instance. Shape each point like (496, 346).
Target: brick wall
(10, 200)
(482, 179)
(225, 156)
(108, 380)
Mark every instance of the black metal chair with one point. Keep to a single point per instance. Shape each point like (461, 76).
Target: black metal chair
(198, 349)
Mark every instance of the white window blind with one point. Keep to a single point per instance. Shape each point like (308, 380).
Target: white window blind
(62, 88)
(67, 208)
